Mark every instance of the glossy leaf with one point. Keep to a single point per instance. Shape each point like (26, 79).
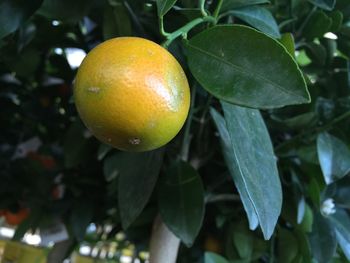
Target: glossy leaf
(243, 66)
(231, 4)
(138, 173)
(181, 201)
(13, 13)
(163, 6)
(210, 257)
(258, 17)
(322, 240)
(334, 157)
(230, 159)
(254, 172)
(341, 221)
(324, 4)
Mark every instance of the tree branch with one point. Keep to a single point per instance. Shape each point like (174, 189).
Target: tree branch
(164, 244)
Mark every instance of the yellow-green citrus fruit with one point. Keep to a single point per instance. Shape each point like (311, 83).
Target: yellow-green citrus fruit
(132, 94)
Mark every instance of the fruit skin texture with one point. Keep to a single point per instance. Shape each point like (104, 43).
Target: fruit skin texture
(16, 218)
(131, 93)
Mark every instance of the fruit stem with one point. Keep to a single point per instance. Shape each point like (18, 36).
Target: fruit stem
(202, 7)
(217, 10)
(182, 31)
(161, 27)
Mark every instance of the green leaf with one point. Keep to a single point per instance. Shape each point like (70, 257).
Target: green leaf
(287, 246)
(318, 24)
(254, 172)
(334, 157)
(66, 10)
(341, 222)
(315, 192)
(243, 66)
(324, 4)
(138, 173)
(231, 4)
(303, 244)
(243, 240)
(116, 21)
(337, 20)
(287, 40)
(80, 218)
(258, 17)
(210, 257)
(301, 121)
(230, 159)
(307, 222)
(181, 201)
(163, 6)
(13, 13)
(322, 240)
(316, 52)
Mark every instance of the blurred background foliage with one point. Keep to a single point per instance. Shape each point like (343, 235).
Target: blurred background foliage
(51, 165)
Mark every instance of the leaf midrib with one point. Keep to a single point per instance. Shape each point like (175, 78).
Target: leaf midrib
(242, 71)
(244, 181)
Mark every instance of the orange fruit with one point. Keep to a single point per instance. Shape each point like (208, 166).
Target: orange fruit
(132, 94)
(16, 218)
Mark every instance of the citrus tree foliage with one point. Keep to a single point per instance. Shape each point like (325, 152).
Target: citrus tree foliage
(259, 173)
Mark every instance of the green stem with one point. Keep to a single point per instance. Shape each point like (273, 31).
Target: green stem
(186, 28)
(202, 7)
(311, 131)
(217, 9)
(161, 27)
(187, 136)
